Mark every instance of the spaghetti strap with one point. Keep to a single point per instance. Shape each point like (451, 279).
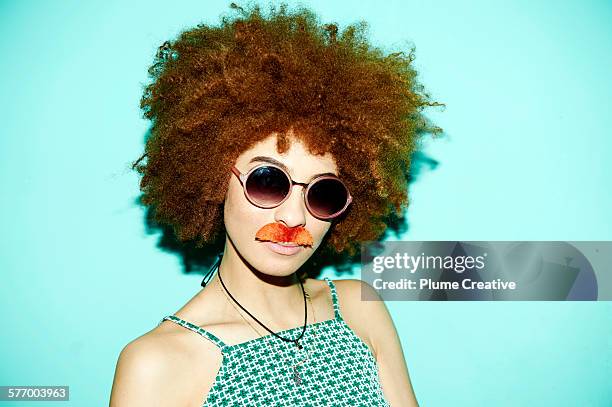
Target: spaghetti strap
(195, 329)
(334, 296)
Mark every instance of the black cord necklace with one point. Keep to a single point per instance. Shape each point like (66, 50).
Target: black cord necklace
(296, 341)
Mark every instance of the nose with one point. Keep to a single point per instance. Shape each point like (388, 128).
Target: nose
(292, 212)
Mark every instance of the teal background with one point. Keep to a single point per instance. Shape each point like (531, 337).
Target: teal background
(528, 91)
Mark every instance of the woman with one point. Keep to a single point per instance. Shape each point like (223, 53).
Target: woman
(286, 140)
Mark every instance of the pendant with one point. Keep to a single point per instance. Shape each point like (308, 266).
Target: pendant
(297, 379)
(299, 345)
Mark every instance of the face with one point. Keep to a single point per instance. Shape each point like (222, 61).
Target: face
(244, 220)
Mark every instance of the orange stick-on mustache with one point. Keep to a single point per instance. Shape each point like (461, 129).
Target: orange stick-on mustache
(278, 233)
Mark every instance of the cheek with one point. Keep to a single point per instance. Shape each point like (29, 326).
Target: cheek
(239, 214)
(318, 229)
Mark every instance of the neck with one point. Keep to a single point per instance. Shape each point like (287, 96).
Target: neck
(276, 301)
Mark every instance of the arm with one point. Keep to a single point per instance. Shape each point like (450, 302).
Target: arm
(382, 335)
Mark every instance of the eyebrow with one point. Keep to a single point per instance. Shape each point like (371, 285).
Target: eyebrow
(271, 160)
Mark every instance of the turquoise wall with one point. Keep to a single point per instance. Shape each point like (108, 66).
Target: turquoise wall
(528, 92)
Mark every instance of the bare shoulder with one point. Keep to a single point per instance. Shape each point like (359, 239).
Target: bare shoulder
(357, 296)
(162, 367)
(144, 369)
(355, 289)
(361, 308)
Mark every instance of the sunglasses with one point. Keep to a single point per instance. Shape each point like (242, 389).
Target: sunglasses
(268, 186)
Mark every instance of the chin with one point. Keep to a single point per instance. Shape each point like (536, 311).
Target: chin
(279, 273)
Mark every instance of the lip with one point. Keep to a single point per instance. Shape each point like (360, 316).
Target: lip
(288, 250)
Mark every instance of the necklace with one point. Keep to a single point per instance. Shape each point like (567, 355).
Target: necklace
(297, 378)
(296, 341)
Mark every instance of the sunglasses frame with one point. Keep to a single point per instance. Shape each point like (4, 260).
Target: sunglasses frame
(244, 176)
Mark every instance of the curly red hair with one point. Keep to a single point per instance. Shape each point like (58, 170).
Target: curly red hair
(217, 90)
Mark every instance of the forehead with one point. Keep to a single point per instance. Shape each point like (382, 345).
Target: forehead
(296, 160)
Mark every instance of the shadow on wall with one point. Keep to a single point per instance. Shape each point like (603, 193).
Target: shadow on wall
(199, 260)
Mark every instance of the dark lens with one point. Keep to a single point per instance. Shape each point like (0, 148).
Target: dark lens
(267, 185)
(327, 196)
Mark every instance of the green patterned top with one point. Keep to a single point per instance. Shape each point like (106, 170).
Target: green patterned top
(340, 371)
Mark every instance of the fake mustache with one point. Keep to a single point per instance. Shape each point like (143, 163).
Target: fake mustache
(279, 233)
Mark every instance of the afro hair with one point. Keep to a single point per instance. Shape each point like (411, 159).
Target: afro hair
(217, 90)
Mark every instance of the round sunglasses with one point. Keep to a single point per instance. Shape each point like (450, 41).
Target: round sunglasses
(268, 186)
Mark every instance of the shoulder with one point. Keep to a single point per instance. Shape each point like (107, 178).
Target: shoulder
(159, 367)
(144, 369)
(356, 295)
(362, 309)
(146, 358)
(354, 284)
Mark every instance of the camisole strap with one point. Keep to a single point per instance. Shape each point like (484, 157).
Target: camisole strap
(334, 296)
(195, 329)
